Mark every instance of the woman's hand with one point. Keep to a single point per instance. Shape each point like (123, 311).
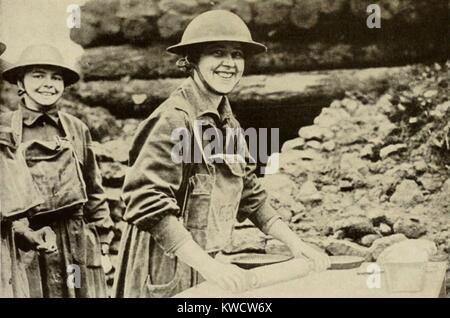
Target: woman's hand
(43, 240)
(320, 260)
(281, 231)
(106, 261)
(227, 276)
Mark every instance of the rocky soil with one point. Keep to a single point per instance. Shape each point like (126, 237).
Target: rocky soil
(370, 172)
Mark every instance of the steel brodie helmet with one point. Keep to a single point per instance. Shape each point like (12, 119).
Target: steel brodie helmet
(45, 55)
(215, 26)
(2, 48)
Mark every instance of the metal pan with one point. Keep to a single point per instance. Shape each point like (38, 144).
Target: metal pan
(345, 262)
(252, 260)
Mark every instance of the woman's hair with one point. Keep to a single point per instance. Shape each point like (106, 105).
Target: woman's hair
(187, 62)
(20, 76)
(185, 65)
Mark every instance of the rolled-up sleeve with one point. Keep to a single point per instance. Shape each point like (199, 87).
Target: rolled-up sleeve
(254, 204)
(154, 180)
(20, 229)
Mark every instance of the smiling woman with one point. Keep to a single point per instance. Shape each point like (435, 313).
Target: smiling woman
(58, 155)
(221, 65)
(19, 196)
(189, 210)
(44, 86)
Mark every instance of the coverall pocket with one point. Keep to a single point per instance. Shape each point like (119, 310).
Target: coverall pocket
(235, 164)
(168, 289)
(201, 183)
(199, 201)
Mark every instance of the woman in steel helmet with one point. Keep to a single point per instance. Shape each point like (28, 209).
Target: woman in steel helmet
(57, 149)
(16, 197)
(181, 211)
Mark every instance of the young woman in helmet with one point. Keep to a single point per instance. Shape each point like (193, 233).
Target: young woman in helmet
(14, 230)
(57, 151)
(181, 214)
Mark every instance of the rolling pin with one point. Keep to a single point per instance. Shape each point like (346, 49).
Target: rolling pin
(278, 273)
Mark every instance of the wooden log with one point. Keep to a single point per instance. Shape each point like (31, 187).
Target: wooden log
(115, 62)
(404, 11)
(243, 8)
(171, 24)
(109, 22)
(99, 24)
(138, 30)
(115, 22)
(305, 14)
(269, 12)
(140, 97)
(138, 8)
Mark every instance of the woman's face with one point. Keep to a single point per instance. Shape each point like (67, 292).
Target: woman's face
(222, 64)
(43, 86)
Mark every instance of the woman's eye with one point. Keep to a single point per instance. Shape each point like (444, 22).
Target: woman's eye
(238, 54)
(37, 76)
(57, 78)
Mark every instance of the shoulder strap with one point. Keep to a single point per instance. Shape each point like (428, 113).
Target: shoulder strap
(187, 167)
(185, 189)
(184, 106)
(16, 125)
(71, 132)
(65, 125)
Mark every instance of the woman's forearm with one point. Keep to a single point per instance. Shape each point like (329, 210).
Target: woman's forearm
(226, 276)
(281, 231)
(193, 255)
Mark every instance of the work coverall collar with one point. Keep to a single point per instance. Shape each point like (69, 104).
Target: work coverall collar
(204, 102)
(30, 116)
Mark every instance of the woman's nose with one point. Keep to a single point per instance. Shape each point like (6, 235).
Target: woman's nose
(48, 81)
(228, 60)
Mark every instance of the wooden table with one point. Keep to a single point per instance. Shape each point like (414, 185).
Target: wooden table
(330, 284)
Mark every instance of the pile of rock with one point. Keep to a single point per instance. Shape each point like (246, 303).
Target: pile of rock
(355, 182)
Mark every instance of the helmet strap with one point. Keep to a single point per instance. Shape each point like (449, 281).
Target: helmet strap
(205, 83)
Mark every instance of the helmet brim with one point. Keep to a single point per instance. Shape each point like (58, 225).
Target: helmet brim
(250, 47)
(2, 48)
(12, 74)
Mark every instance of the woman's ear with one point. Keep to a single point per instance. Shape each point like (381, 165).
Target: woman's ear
(21, 87)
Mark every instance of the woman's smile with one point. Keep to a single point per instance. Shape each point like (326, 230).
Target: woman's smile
(44, 87)
(46, 93)
(221, 66)
(225, 74)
